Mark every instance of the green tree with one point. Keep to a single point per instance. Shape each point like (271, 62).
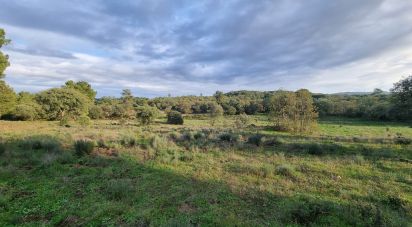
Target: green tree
(174, 117)
(8, 98)
(4, 59)
(83, 87)
(305, 115)
(293, 111)
(127, 100)
(216, 113)
(146, 114)
(219, 96)
(27, 109)
(59, 103)
(402, 97)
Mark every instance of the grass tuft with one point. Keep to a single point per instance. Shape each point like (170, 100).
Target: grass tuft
(83, 147)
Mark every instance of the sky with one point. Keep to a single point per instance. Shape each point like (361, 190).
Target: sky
(186, 47)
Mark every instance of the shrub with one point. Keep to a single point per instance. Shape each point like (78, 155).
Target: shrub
(275, 141)
(174, 136)
(147, 114)
(403, 140)
(199, 135)
(119, 189)
(315, 149)
(187, 136)
(256, 140)
(128, 141)
(174, 117)
(242, 121)
(96, 112)
(84, 121)
(25, 112)
(159, 142)
(229, 137)
(83, 147)
(37, 143)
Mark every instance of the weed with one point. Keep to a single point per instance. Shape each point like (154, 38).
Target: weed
(83, 147)
(129, 141)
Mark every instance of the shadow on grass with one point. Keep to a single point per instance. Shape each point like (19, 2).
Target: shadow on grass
(53, 187)
(362, 122)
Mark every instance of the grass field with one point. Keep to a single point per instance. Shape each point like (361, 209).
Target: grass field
(348, 173)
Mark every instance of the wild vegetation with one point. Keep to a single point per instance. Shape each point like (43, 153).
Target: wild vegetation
(242, 158)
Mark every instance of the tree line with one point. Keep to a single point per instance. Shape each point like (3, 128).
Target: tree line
(292, 111)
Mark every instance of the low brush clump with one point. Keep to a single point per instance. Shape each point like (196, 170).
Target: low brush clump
(83, 147)
(174, 117)
(257, 140)
(41, 143)
(129, 141)
(229, 137)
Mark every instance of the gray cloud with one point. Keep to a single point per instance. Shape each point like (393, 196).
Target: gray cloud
(232, 44)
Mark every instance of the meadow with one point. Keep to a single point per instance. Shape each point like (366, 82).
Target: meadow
(349, 172)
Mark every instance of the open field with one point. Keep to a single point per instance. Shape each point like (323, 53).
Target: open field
(350, 172)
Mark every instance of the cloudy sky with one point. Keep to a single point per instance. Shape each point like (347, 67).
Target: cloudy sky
(157, 47)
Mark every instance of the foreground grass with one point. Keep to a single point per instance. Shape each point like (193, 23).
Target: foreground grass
(164, 176)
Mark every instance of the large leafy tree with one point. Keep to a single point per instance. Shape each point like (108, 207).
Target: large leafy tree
(59, 103)
(83, 87)
(293, 111)
(402, 96)
(4, 59)
(8, 98)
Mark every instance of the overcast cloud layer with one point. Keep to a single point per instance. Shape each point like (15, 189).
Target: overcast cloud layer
(156, 47)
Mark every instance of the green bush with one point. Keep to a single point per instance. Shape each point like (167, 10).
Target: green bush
(403, 140)
(147, 114)
(277, 141)
(38, 143)
(256, 140)
(229, 137)
(129, 141)
(119, 189)
(174, 136)
(84, 121)
(25, 112)
(187, 136)
(159, 142)
(83, 147)
(199, 135)
(96, 112)
(315, 149)
(242, 121)
(174, 117)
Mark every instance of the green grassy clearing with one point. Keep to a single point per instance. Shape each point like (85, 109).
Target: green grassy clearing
(166, 175)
